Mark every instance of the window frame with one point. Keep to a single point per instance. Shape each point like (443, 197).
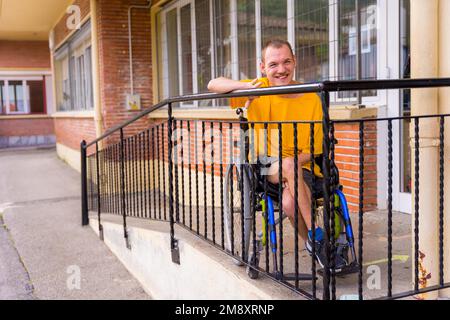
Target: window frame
(333, 42)
(25, 94)
(76, 69)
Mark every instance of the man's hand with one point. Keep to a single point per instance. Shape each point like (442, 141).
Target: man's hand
(254, 84)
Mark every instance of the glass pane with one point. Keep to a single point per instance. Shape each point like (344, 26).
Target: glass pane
(89, 85)
(203, 35)
(37, 95)
(2, 97)
(172, 52)
(16, 97)
(273, 20)
(311, 40)
(81, 83)
(223, 38)
(186, 48)
(73, 86)
(247, 38)
(347, 43)
(161, 59)
(405, 95)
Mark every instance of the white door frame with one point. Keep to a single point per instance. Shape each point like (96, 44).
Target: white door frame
(400, 201)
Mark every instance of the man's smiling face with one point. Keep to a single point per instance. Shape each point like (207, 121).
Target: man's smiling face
(279, 65)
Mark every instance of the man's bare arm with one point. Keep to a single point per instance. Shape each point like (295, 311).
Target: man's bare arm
(225, 85)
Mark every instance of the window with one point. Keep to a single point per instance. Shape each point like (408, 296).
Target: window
(311, 40)
(73, 72)
(203, 39)
(347, 43)
(22, 96)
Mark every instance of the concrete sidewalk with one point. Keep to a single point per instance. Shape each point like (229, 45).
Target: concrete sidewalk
(44, 251)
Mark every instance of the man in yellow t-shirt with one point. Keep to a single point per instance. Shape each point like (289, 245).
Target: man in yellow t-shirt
(278, 65)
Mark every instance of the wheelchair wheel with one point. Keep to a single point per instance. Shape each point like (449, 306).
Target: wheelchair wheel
(234, 209)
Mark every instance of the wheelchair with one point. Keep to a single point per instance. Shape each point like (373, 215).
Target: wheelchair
(246, 194)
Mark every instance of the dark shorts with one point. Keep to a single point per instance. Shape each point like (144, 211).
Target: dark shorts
(314, 183)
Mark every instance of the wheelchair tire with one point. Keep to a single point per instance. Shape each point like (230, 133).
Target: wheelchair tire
(235, 241)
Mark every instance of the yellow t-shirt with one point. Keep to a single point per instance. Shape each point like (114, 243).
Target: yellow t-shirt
(307, 107)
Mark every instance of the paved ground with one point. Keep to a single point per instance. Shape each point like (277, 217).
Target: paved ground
(44, 251)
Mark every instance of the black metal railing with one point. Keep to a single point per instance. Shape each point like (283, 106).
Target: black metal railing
(193, 173)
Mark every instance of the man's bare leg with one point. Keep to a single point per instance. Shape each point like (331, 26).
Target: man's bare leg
(304, 194)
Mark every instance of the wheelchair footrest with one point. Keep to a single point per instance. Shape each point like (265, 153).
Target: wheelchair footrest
(349, 269)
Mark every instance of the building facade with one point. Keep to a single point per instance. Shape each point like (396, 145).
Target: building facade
(109, 59)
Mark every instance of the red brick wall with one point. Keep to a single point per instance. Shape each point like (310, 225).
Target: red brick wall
(24, 54)
(347, 160)
(26, 127)
(71, 131)
(112, 18)
(61, 31)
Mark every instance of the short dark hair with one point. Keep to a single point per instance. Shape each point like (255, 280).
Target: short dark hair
(276, 43)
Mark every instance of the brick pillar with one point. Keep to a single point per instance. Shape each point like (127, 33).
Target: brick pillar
(112, 19)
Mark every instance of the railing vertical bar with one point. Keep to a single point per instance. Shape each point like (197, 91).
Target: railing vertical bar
(108, 177)
(222, 212)
(140, 188)
(332, 211)
(123, 186)
(105, 178)
(313, 220)
(176, 168)
(280, 194)
(84, 186)
(190, 174)
(97, 160)
(213, 214)
(91, 183)
(134, 175)
(159, 172)
(117, 168)
(205, 192)
(182, 172)
(416, 204)
(361, 210)
(243, 161)
(253, 190)
(170, 126)
(389, 293)
(325, 97)
(164, 172)
(127, 193)
(113, 178)
(147, 184)
(154, 159)
(266, 214)
(129, 177)
(441, 200)
(197, 202)
(296, 256)
(231, 184)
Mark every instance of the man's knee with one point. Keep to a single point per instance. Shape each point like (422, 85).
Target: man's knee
(289, 167)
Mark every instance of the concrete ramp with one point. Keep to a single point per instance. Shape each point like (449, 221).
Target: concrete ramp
(204, 272)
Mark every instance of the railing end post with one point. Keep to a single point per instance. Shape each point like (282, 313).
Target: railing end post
(84, 193)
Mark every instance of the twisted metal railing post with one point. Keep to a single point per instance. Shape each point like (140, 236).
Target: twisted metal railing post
(122, 187)
(173, 241)
(325, 97)
(84, 191)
